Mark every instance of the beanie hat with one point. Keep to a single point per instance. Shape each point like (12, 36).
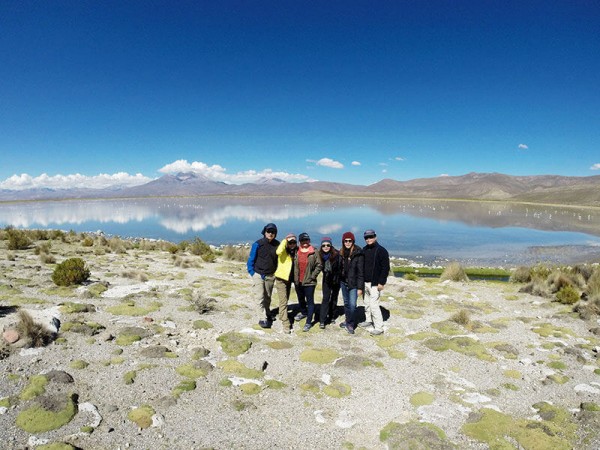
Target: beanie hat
(326, 240)
(304, 237)
(269, 226)
(348, 235)
(290, 236)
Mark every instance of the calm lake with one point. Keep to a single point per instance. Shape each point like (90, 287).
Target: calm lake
(477, 233)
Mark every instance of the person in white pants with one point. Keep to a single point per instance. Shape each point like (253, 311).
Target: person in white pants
(376, 270)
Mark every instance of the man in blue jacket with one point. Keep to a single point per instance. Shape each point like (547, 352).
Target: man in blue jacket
(261, 265)
(377, 268)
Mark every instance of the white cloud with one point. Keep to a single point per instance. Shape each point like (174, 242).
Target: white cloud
(523, 146)
(45, 181)
(384, 171)
(219, 173)
(399, 158)
(595, 166)
(383, 164)
(443, 175)
(330, 228)
(355, 163)
(327, 162)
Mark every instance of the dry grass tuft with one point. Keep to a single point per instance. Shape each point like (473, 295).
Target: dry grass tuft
(462, 317)
(454, 272)
(35, 333)
(201, 303)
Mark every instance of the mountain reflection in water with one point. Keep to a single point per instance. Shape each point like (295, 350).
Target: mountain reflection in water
(475, 232)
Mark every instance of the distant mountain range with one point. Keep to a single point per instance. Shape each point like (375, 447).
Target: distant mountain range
(472, 186)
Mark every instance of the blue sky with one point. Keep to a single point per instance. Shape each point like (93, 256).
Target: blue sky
(95, 93)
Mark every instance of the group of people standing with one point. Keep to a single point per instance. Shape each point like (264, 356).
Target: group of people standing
(355, 271)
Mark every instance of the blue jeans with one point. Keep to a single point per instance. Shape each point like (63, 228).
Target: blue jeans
(306, 296)
(350, 297)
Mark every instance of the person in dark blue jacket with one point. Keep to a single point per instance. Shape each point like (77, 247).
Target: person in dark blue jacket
(261, 265)
(376, 270)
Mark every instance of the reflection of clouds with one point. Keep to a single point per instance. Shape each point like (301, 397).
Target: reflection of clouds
(176, 215)
(199, 219)
(331, 228)
(49, 214)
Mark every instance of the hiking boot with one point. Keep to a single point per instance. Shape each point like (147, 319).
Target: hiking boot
(265, 323)
(375, 332)
(299, 316)
(343, 325)
(365, 324)
(307, 327)
(350, 329)
(322, 326)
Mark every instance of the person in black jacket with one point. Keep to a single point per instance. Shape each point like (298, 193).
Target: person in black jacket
(331, 281)
(261, 266)
(377, 268)
(352, 279)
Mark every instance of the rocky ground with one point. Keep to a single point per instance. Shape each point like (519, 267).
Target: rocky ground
(143, 359)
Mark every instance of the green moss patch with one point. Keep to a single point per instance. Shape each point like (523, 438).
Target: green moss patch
(508, 351)
(195, 370)
(357, 362)
(234, 344)
(37, 386)
(48, 413)
(414, 435)
(549, 330)
(184, 386)
(275, 384)
(460, 344)
(513, 374)
(448, 328)
(337, 389)
(319, 355)
(73, 308)
(558, 365)
(279, 345)
(56, 446)
(79, 364)
(129, 377)
(129, 308)
(233, 367)
(86, 328)
(142, 416)
(250, 388)
(61, 291)
(18, 301)
(202, 325)
(96, 290)
(396, 354)
(555, 431)
(421, 399)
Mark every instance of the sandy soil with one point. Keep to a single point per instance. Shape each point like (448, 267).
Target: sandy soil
(514, 375)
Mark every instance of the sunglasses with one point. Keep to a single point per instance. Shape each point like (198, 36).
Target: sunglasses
(371, 236)
(271, 231)
(348, 240)
(326, 245)
(291, 242)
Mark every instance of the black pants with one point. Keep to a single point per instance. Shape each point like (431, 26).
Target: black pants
(329, 302)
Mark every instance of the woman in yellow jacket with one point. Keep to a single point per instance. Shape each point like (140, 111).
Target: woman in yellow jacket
(284, 276)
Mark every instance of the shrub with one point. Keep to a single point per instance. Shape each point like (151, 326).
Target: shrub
(71, 271)
(199, 247)
(568, 295)
(521, 274)
(43, 248)
(236, 253)
(87, 241)
(17, 239)
(593, 284)
(454, 272)
(411, 277)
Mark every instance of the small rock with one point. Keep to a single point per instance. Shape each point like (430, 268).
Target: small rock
(3, 410)
(59, 376)
(157, 421)
(148, 319)
(169, 324)
(11, 336)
